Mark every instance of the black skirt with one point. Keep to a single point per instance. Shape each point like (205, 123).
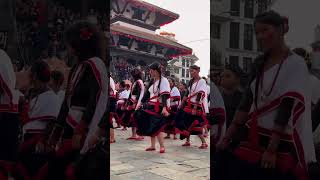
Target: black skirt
(118, 115)
(32, 161)
(113, 104)
(226, 166)
(170, 128)
(149, 122)
(9, 136)
(187, 124)
(126, 119)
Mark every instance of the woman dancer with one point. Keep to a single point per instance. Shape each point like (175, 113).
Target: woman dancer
(175, 100)
(84, 103)
(40, 110)
(112, 109)
(134, 103)
(276, 111)
(9, 116)
(191, 119)
(122, 100)
(151, 120)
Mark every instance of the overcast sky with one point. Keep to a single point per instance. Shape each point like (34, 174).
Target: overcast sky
(303, 18)
(193, 24)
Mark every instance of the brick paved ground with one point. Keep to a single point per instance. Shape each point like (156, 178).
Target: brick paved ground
(130, 161)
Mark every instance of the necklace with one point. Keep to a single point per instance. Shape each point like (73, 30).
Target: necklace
(153, 87)
(265, 94)
(194, 87)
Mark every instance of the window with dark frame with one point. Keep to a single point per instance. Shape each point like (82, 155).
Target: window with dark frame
(187, 74)
(235, 8)
(138, 13)
(234, 60)
(248, 37)
(216, 30)
(234, 35)
(247, 62)
(248, 9)
(183, 73)
(262, 7)
(176, 70)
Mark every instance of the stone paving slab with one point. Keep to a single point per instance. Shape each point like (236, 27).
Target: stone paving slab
(130, 161)
(142, 175)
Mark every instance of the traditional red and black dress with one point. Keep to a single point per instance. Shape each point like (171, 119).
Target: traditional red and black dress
(9, 115)
(149, 120)
(81, 113)
(175, 100)
(217, 115)
(282, 97)
(112, 102)
(40, 110)
(188, 123)
(120, 108)
(134, 101)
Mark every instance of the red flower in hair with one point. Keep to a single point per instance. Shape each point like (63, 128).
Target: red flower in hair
(85, 34)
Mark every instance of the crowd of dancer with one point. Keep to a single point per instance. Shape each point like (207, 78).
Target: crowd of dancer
(268, 129)
(157, 107)
(47, 132)
(271, 129)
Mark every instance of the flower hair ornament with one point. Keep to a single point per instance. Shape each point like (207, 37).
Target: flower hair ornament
(85, 34)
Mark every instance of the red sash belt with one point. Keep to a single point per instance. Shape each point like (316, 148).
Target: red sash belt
(156, 104)
(189, 111)
(285, 162)
(11, 108)
(252, 153)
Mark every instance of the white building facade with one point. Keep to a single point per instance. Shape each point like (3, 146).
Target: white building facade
(180, 68)
(233, 32)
